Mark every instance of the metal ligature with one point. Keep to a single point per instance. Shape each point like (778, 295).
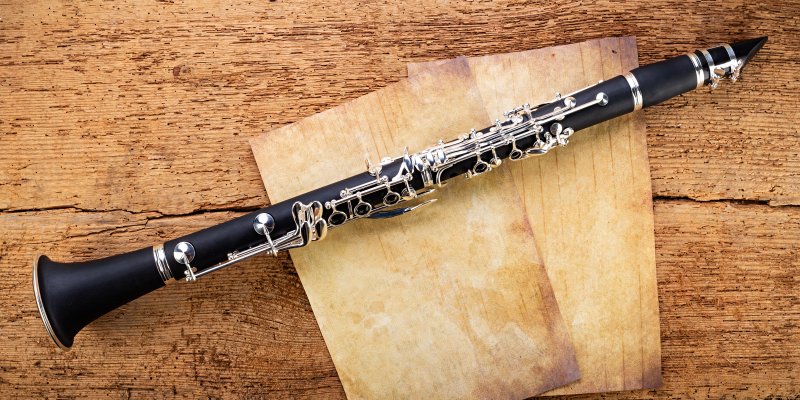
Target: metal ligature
(70, 296)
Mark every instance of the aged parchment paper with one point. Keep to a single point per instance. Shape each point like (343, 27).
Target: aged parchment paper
(450, 301)
(590, 206)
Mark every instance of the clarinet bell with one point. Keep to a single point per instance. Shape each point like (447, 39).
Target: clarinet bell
(71, 295)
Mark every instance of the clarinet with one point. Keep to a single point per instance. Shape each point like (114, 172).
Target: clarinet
(72, 295)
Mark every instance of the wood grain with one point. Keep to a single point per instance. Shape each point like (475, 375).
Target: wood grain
(160, 97)
(114, 112)
(727, 287)
(441, 303)
(590, 206)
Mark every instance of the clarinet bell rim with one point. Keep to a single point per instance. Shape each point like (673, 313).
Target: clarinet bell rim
(40, 304)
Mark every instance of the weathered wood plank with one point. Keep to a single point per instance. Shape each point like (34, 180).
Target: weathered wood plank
(728, 279)
(112, 106)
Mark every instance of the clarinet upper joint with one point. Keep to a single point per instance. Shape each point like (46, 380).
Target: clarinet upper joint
(544, 132)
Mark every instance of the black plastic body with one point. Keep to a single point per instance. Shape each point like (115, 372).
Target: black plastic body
(71, 295)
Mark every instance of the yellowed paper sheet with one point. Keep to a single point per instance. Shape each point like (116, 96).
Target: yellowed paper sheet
(590, 205)
(450, 301)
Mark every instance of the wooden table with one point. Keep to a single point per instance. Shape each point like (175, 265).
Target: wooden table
(126, 123)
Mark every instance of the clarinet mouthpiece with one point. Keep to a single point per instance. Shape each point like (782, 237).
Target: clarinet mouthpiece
(747, 49)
